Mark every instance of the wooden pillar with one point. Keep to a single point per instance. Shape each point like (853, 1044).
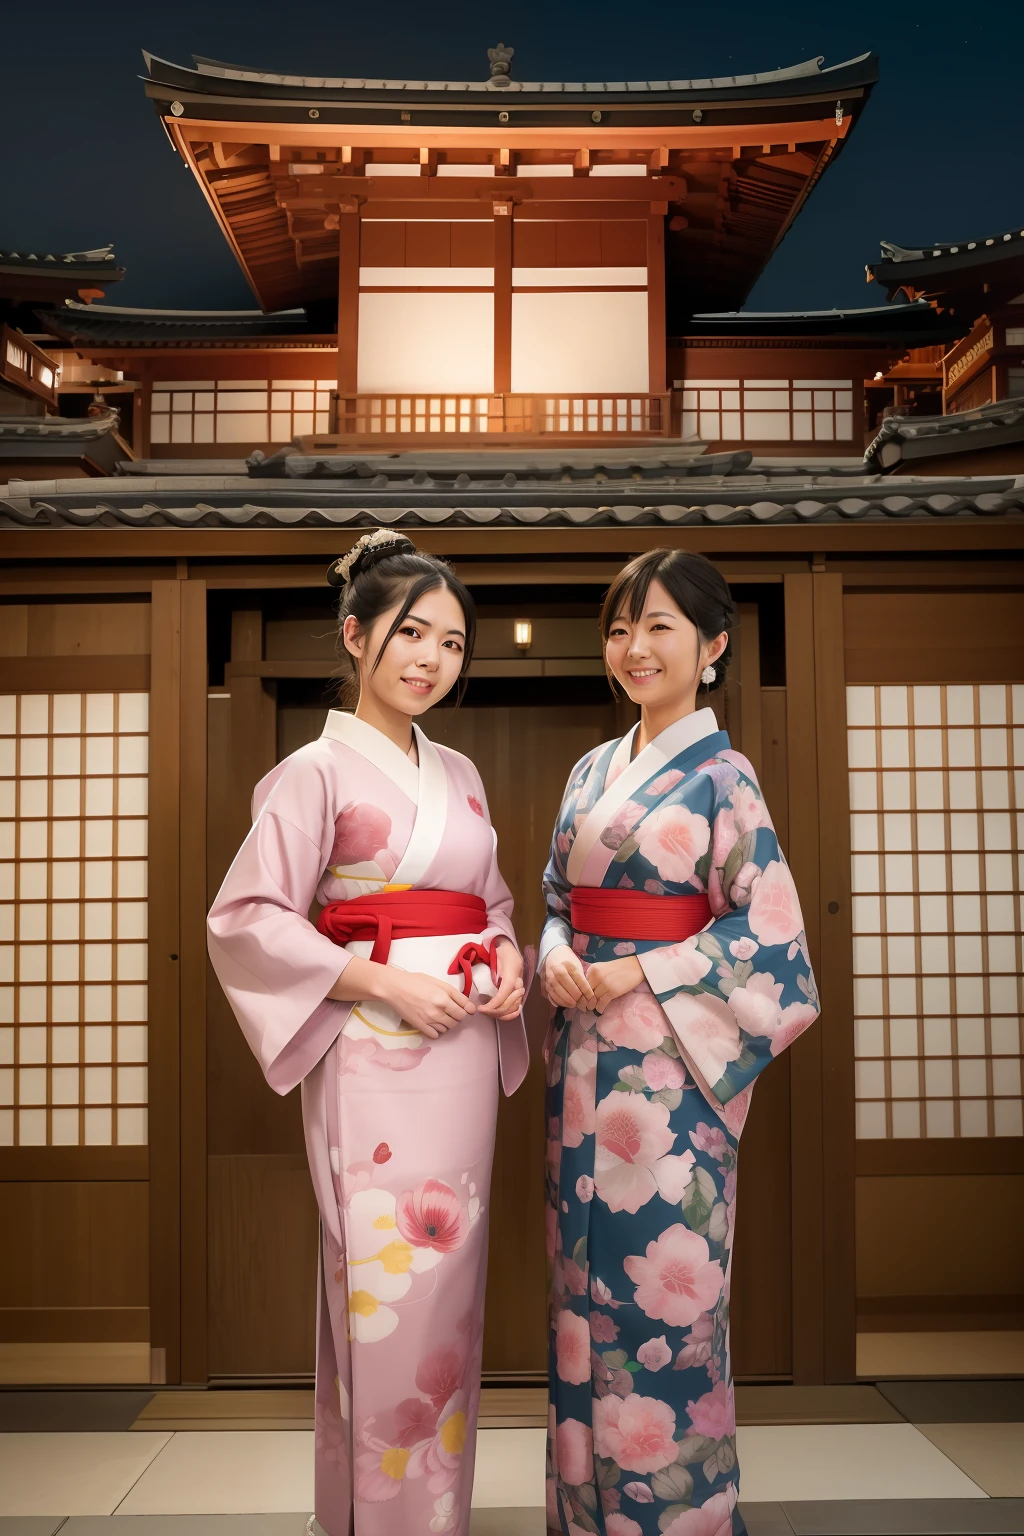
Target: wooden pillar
(192, 864)
(807, 1182)
(835, 983)
(656, 298)
(141, 414)
(348, 304)
(164, 982)
(502, 298)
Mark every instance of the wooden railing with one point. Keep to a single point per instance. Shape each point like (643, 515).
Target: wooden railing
(548, 415)
(26, 366)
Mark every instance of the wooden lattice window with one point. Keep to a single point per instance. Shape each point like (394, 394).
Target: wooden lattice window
(936, 797)
(761, 410)
(238, 410)
(73, 919)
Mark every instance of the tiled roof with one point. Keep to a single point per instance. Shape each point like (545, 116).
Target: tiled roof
(212, 77)
(103, 257)
(56, 429)
(927, 269)
(922, 437)
(916, 323)
(109, 324)
(61, 441)
(893, 252)
(411, 491)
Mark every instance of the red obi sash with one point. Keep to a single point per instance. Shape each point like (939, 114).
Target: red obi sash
(392, 915)
(638, 914)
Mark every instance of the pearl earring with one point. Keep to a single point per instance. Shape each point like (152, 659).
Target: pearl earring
(707, 677)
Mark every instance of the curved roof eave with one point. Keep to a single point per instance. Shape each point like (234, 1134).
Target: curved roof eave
(901, 264)
(212, 78)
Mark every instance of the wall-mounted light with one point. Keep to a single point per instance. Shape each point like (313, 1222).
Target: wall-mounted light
(522, 633)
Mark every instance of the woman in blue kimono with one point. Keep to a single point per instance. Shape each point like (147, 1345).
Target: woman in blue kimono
(675, 956)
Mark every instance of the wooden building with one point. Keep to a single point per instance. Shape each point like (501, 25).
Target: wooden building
(981, 282)
(166, 636)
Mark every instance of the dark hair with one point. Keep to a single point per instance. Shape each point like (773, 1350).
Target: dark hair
(698, 589)
(387, 573)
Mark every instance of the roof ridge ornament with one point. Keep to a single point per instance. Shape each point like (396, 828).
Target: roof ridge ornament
(501, 64)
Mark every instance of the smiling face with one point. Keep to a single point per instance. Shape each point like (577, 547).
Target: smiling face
(657, 659)
(422, 660)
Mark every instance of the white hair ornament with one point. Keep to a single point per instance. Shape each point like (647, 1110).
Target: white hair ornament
(339, 574)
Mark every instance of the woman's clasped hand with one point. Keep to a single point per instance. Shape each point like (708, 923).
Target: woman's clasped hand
(567, 983)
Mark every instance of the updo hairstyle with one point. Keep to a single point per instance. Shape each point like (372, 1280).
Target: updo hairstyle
(696, 587)
(385, 568)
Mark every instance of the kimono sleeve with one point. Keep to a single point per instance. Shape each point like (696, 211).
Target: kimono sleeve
(274, 967)
(496, 895)
(557, 889)
(742, 990)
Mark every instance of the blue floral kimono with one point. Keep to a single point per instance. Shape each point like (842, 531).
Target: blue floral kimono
(645, 1107)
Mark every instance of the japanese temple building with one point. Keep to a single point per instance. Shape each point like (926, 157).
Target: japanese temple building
(508, 317)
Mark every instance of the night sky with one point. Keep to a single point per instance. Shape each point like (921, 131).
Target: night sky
(84, 161)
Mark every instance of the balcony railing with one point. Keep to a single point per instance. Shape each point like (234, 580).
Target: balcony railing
(26, 367)
(566, 416)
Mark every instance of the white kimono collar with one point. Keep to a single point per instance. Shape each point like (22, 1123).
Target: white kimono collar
(426, 786)
(657, 754)
(377, 748)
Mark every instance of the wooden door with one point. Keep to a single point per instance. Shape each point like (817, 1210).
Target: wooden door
(78, 1026)
(935, 713)
(525, 754)
(262, 1218)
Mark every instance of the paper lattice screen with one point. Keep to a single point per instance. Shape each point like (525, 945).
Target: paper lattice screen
(73, 919)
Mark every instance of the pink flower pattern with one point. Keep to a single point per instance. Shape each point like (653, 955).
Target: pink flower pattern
(360, 832)
(432, 1216)
(636, 1432)
(654, 1354)
(572, 1348)
(673, 839)
(708, 1029)
(677, 1279)
(575, 1442)
(621, 1525)
(635, 1022)
(632, 1161)
(775, 916)
(712, 1518)
(714, 1414)
(647, 1102)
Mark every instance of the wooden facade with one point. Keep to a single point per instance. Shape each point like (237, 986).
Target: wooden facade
(203, 1242)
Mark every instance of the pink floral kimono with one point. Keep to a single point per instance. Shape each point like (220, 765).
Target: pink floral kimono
(399, 1127)
(646, 1103)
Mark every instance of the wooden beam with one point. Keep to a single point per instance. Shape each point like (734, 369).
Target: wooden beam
(783, 546)
(309, 192)
(607, 136)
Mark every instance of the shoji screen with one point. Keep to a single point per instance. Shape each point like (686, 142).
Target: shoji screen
(937, 811)
(73, 919)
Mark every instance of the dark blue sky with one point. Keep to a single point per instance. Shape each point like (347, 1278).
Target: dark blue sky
(84, 161)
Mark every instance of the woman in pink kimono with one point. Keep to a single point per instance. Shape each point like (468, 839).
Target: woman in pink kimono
(363, 936)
